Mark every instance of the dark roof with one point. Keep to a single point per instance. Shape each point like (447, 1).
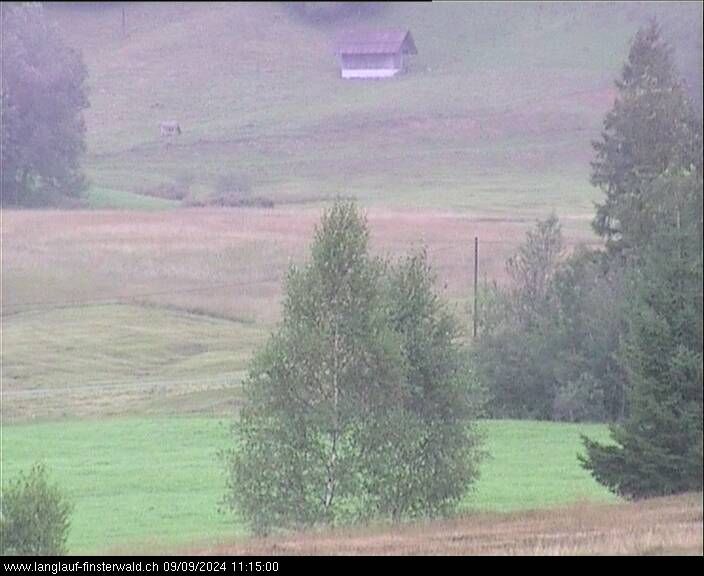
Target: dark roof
(376, 41)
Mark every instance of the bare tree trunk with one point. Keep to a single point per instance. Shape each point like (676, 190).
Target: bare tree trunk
(332, 461)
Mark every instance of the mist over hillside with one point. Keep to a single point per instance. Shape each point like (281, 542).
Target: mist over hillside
(501, 96)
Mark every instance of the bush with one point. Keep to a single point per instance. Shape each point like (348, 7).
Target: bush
(232, 190)
(546, 346)
(35, 516)
(178, 189)
(233, 185)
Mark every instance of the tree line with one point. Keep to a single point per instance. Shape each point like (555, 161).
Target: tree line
(615, 334)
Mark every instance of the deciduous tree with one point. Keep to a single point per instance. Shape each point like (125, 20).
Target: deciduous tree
(43, 97)
(359, 404)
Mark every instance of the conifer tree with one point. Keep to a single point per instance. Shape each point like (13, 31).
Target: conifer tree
(657, 450)
(652, 130)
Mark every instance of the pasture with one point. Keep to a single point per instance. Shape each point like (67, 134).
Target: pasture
(146, 483)
(499, 105)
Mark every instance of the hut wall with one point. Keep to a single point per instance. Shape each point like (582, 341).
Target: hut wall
(370, 65)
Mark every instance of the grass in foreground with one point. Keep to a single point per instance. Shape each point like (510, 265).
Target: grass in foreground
(661, 526)
(153, 484)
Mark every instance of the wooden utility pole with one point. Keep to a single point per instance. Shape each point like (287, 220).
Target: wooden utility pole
(476, 267)
(123, 21)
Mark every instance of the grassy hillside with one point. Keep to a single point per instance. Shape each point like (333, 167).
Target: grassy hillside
(109, 359)
(151, 483)
(501, 101)
(110, 312)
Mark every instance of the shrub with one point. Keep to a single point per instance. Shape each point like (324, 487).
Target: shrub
(35, 516)
(233, 185)
(178, 189)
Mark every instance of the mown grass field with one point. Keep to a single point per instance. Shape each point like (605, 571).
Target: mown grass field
(111, 359)
(154, 483)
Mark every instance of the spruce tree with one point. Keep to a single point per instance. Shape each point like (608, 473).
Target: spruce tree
(658, 448)
(652, 130)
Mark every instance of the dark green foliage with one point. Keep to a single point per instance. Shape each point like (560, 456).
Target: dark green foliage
(339, 413)
(651, 130)
(588, 299)
(514, 348)
(550, 345)
(546, 344)
(658, 448)
(35, 516)
(43, 96)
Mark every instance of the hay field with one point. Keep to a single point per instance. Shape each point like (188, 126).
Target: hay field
(102, 309)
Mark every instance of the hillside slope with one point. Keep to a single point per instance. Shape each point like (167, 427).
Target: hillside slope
(502, 99)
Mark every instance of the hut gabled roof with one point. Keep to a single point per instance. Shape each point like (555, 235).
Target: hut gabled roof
(376, 41)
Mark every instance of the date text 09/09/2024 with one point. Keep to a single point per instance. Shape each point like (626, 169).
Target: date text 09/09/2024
(221, 566)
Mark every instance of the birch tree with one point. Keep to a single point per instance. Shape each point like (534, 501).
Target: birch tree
(333, 366)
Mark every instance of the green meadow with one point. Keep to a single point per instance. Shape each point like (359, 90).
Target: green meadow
(145, 483)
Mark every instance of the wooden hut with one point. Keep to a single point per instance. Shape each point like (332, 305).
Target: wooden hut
(170, 128)
(379, 53)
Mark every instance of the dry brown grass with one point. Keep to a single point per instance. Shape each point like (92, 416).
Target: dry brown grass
(661, 526)
(66, 276)
(224, 262)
